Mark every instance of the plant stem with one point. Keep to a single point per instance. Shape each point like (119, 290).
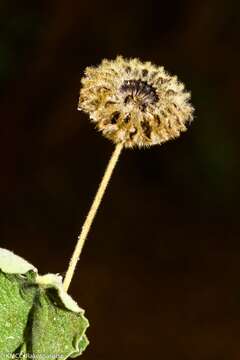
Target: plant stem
(91, 215)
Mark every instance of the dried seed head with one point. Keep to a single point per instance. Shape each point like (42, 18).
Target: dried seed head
(135, 103)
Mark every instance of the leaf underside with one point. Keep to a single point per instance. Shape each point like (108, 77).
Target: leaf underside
(35, 322)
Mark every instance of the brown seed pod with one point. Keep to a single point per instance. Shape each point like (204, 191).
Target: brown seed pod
(135, 103)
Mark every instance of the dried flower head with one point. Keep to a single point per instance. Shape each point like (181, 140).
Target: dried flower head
(135, 103)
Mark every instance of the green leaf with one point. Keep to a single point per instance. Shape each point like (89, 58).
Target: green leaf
(15, 305)
(37, 317)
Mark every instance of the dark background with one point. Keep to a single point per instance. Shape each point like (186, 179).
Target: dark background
(159, 275)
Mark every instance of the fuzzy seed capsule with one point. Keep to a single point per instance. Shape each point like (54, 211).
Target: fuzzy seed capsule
(135, 103)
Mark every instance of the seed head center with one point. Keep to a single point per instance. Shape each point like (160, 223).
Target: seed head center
(139, 92)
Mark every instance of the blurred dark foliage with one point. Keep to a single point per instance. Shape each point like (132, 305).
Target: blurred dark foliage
(159, 275)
